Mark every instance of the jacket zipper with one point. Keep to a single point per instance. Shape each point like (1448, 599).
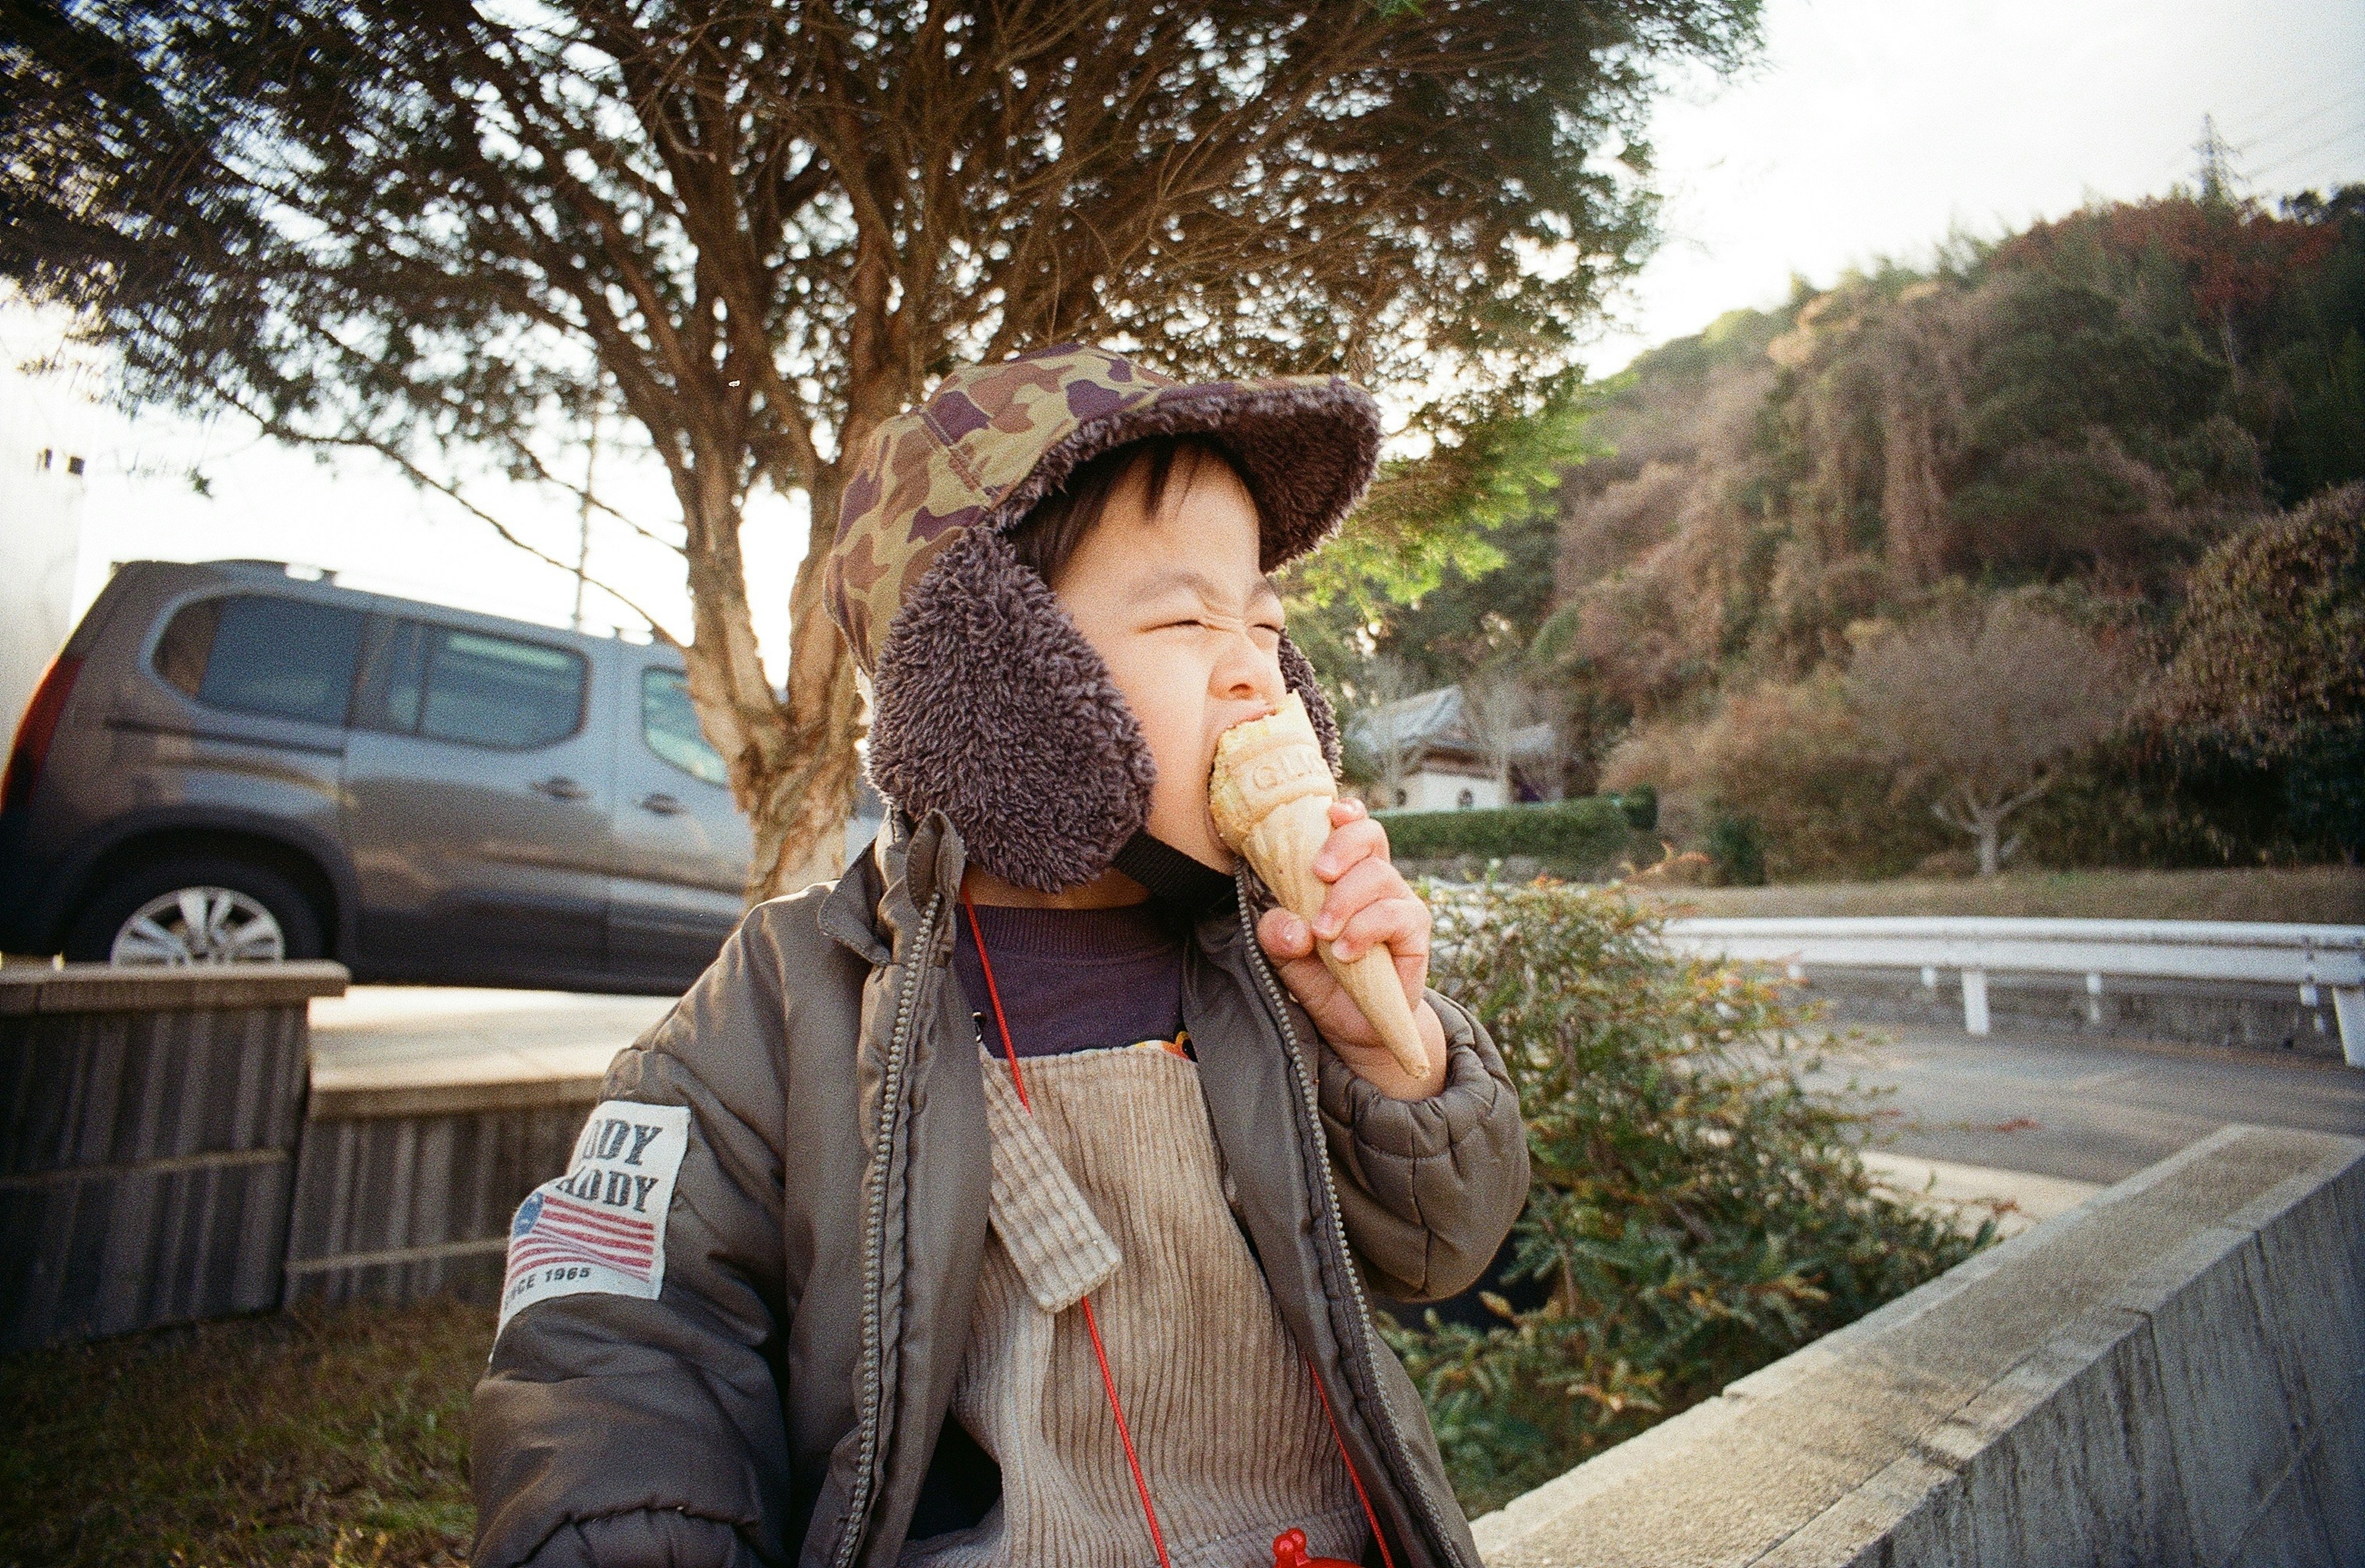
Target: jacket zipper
(857, 1507)
(1271, 986)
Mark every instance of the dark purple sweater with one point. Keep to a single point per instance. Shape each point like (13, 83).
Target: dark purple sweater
(1073, 979)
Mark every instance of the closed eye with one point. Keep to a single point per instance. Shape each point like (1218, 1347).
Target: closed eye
(1201, 624)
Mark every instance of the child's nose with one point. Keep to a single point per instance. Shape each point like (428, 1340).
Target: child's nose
(1247, 673)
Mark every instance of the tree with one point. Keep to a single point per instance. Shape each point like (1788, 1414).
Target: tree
(2271, 660)
(1379, 726)
(1980, 709)
(1499, 707)
(437, 232)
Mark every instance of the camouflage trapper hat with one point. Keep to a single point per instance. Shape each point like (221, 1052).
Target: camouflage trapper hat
(988, 704)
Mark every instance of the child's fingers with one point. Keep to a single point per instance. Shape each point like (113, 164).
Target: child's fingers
(1346, 811)
(1401, 924)
(1350, 842)
(1285, 935)
(1365, 883)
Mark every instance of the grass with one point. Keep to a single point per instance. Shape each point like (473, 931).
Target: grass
(314, 1438)
(2327, 895)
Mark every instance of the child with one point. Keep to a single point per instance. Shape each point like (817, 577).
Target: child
(1017, 1200)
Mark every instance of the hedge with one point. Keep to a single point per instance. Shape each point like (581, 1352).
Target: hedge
(1571, 837)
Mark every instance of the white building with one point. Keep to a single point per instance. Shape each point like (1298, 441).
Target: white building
(1445, 766)
(44, 434)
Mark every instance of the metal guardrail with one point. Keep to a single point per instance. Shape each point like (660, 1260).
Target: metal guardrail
(2313, 959)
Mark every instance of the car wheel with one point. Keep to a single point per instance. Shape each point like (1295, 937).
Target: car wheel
(197, 911)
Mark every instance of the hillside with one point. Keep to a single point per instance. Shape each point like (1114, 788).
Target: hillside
(2056, 427)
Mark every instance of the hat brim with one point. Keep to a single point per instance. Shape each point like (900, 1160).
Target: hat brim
(1308, 448)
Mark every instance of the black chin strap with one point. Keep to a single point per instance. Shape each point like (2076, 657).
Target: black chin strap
(1190, 886)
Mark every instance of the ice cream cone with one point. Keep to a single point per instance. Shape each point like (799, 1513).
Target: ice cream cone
(1271, 794)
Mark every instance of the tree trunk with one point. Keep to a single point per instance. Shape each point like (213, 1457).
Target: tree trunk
(800, 813)
(792, 763)
(1987, 831)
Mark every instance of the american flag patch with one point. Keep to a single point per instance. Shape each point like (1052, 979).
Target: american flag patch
(600, 1227)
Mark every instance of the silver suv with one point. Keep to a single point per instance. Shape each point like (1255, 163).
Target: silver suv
(230, 760)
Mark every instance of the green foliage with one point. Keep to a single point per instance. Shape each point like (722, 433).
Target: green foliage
(1698, 1212)
(2273, 636)
(1736, 848)
(1571, 837)
(1640, 806)
(1450, 562)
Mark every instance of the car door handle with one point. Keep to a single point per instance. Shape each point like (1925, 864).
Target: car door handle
(663, 805)
(560, 788)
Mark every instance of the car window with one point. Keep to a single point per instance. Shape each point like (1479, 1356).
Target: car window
(669, 725)
(261, 654)
(470, 686)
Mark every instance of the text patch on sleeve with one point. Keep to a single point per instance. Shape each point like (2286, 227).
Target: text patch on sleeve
(601, 1226)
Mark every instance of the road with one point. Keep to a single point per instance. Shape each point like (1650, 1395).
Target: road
(2078, 1112)
(2087, 1111)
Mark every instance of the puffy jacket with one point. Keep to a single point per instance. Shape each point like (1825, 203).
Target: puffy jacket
(783, 1394)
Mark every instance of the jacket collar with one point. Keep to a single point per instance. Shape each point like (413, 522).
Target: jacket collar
(880, 897)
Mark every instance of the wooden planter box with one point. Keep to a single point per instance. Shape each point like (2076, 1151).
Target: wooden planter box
(149, 1123)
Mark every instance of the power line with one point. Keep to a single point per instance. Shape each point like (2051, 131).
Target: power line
(2313, 148)
(2282, 127)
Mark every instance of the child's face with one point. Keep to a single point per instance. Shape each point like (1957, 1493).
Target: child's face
(1189, 627)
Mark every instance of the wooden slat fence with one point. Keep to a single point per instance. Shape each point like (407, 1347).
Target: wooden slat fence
(148, 1139)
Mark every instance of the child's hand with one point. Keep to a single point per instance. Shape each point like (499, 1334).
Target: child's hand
(1369, 906)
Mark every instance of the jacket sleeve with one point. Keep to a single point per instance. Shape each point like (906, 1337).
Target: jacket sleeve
(1430, 1187)
(614, 1431)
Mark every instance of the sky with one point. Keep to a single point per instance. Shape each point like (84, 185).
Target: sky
(1865, 128)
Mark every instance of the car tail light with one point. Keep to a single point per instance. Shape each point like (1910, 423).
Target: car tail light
(38, 728)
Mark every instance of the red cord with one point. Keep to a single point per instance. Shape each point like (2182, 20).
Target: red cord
(1157, 1537)
(1092, 1326)
(1387, 1559)
(993, 994)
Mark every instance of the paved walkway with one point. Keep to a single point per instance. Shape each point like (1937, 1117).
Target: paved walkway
(399, 1035)
(2035, 1123)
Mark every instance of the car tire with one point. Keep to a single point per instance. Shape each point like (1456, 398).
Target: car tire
(253, 888)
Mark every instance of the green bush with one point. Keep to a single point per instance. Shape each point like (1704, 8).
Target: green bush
(1737, 847)
(1571, 837)
(1640, 807)
(1696, 1212)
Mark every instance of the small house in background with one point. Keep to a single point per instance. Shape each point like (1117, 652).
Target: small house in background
(1443, 764)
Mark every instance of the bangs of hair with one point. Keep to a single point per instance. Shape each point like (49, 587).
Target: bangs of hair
(1060, 523)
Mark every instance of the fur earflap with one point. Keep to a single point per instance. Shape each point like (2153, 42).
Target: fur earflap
(1299, 672)
(991, 707)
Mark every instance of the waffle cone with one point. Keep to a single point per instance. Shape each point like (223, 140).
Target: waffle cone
(1271, 795)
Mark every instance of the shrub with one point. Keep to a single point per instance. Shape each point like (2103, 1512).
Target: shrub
(1696, 1212)
(1736, 848)
(1640, 806)
(1793, 759)
(1571, 837)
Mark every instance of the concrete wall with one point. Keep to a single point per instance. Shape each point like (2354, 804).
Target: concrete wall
(2172, 1372)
